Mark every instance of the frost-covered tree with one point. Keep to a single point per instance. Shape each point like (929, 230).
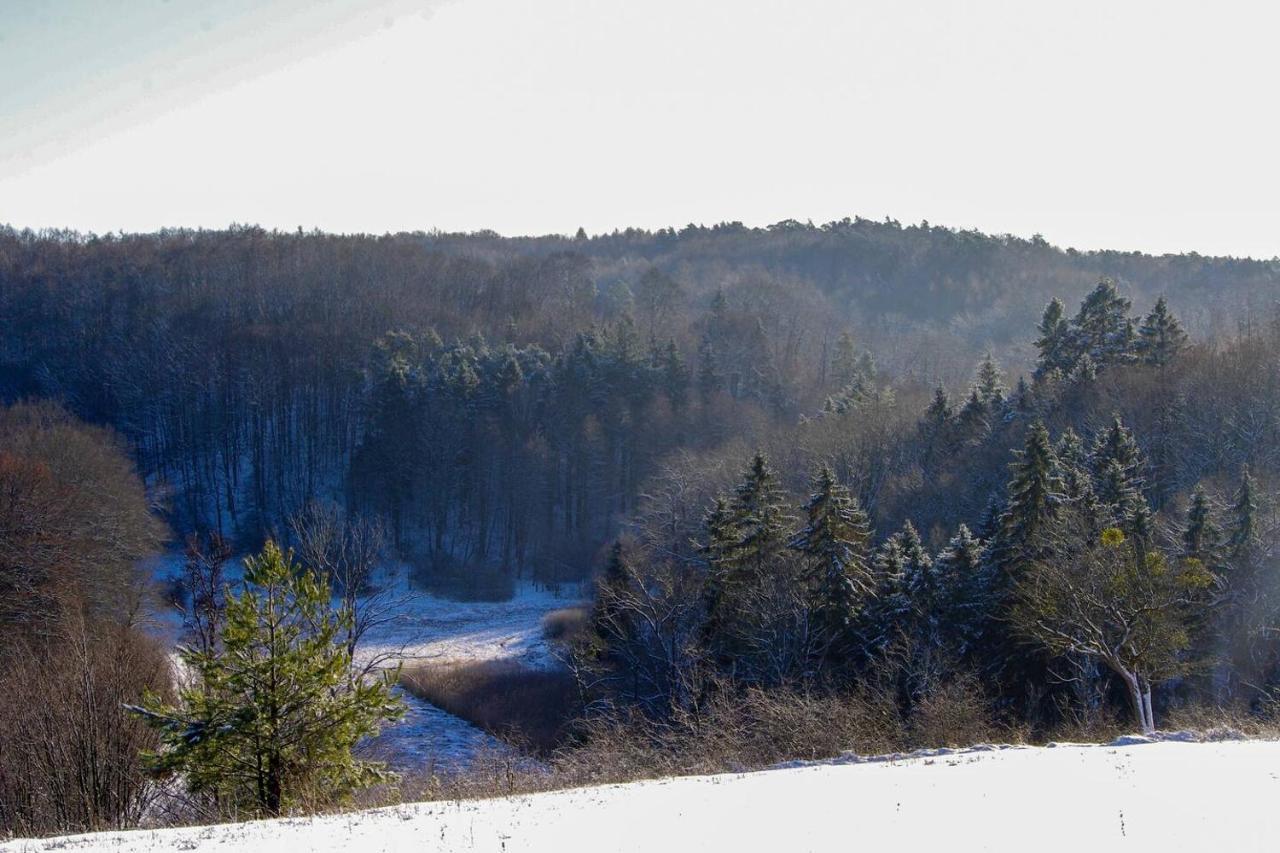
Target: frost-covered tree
(1160, 338)
(835, 540)
(989, 383)
(1102, 328)
(1054, 344)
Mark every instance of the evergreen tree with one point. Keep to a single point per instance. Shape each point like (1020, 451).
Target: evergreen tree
(939, 411)
(835, 539)
(758, 516)
(1054, 343)
(1201, 538)
(271, 718)
(1035, 493)
(844, 361)
(974, 420)
(922, 586)
(1102, 329)
(965, 597)
(1161, 337)
(1243, 530)
(990, 384)
(1118, 466)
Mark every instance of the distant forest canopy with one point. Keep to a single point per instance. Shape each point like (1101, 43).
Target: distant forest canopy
(507, 403)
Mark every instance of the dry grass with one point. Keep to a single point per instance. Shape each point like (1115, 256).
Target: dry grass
(565, 624)
(531, 708)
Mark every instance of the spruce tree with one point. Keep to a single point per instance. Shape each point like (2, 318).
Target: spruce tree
(758, 517)
(270, 719)
(964, 594)
(990, 384)
(1102, 329)
(1034, 495)
(844, 361)
(1201, 538)
(1243, 531)
(1160, 337)
(835, 539)
(1053, 345)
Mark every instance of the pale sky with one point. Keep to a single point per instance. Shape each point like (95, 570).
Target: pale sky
(1118, 124)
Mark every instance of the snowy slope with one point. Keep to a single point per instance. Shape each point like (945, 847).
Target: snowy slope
(1155, 796)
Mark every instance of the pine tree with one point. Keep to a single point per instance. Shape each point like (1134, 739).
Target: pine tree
(939, 411)
(758, 516)
(675, 375)
(271, 718)
(1053, 344)
(965, 597)
(990, 384)
(844, 361)
(1102, 329)
(1118, 465)
(1161, 337)
(921, 584)
(1201, 538)
(835, 539)
(974, 420)
(1035, 493)
(1243, 531)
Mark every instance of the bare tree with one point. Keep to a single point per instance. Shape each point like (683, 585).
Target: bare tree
(347, 551)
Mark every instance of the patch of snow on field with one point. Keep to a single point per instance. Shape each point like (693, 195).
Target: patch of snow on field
(1159, 797)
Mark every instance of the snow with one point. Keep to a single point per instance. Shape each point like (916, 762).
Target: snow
(1159, 796)
(423, 627)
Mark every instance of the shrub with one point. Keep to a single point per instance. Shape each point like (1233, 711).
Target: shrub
(565, 624)
(70, 755)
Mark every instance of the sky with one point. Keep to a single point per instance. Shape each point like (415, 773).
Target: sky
(1122, 124)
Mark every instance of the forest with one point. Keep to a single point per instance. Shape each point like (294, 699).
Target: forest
(907, 470)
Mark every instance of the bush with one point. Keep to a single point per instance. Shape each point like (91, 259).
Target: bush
(565, 624)
(70, 755)
(955, 715)
(528, 707)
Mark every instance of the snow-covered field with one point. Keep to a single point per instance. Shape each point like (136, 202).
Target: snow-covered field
(1166, 796)
(416, 627)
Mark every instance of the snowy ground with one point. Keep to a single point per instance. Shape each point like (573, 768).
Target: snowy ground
(422, 627)
(1168, 796)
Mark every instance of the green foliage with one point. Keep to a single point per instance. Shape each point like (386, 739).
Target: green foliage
(1161, 338)
(270, 719)
(835, 539)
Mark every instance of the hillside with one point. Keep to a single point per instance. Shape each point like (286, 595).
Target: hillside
(1162, 796)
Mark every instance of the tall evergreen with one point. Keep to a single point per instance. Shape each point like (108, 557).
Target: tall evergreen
(990, 383)
(844, 361)
(964, 589)
(1053, 345)
(1102, 329)
(1201, 537)
(1160, 338)
(835, 539)
(1243, 529)
(1034, 494)
(758, 515)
